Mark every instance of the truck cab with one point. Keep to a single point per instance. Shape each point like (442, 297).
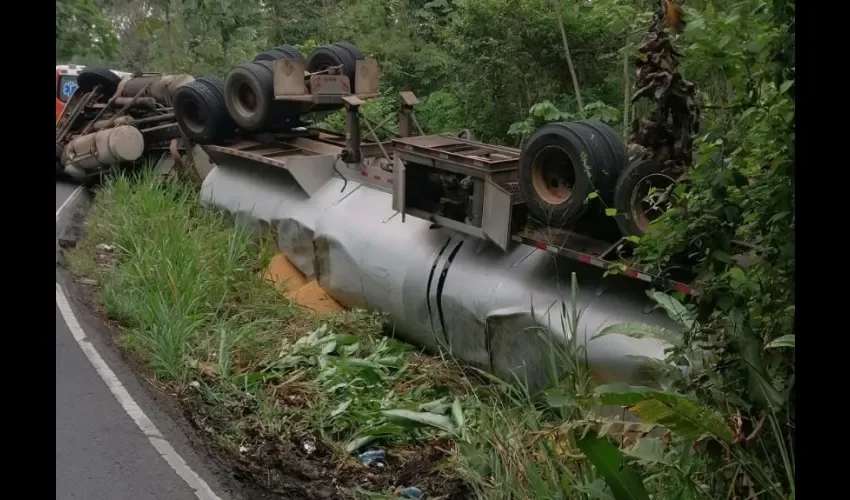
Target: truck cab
(66, 84)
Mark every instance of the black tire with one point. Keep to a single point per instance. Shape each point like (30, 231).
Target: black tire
(331, 55)
(249, 95)
(249, 98)
(201, 113)
(282, 115)
(92, 76)
(271, 55)
(609, 149)
(352, 49)
(550, 159)
(632, 217)
(291, 51)
(214, 84)
(559, 167)
(227, 126)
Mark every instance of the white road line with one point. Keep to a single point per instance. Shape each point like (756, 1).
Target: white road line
(163, 447)
(201, 488)
(68, 200)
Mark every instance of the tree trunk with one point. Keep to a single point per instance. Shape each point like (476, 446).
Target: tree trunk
(556, 5)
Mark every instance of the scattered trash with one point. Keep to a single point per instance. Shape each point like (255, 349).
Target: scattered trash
(411, 492)
(243, 449)
(194, 384)
(309, 447)
(87, 281)
(376, 457)
(103, 247)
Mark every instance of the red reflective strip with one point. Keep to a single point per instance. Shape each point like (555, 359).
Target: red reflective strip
(540, 245)
(390, 180)
(683, 288)
(363, 173)
(630, 273)
(587, 259)
(377, 177)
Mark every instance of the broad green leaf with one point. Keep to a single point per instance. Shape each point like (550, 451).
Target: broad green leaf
(556, 399)
(681, 415)
(370, 434)
(623, 394)
(437, 406)
(674, 309)
(359, 442)
(610, 212)
(341, 408)
(648, 450)
(420, 418)
(686, 418)
(785, 86)
(624, 482)
(722, 256)
(750, 349)
(737, 275)
(783, 341)
(592, 195)
(641, 331)
(457, 413)
(329, 347)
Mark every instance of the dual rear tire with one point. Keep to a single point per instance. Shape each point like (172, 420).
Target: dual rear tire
(569, 169)
(209, 110)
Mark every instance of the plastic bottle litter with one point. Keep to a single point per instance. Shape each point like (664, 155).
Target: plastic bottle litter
(372, 457)
(412, 492)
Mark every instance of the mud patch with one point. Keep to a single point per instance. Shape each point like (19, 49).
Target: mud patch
(304, 467)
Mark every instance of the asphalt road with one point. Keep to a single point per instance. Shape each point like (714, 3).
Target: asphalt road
(101, 453)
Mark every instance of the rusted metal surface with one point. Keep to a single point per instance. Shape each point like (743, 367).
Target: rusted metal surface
(87, 139)
(173, 148)
(352, 152)
(325, 88)
(71, 113)
(128, 104)
(367, 78)
(121, 120)
(289, 78)
(457, 184)
(100, 113)
(458, 152)
(158, 87)
(146, 102)
(405, 113)
(329, 85)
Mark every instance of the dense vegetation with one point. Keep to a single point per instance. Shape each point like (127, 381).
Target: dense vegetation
(498, 67)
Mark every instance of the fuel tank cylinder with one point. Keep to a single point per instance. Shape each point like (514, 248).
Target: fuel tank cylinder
(506, 312)
(106, 147)
(162, 87)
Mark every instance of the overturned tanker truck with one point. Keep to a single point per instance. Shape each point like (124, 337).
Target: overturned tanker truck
(114, 121)
(469, 247)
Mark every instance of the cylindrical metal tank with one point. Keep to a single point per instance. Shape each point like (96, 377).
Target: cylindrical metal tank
(501, 311)
(162, 87)
(105, 147)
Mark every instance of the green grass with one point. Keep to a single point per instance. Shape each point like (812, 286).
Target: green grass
(256, 372)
